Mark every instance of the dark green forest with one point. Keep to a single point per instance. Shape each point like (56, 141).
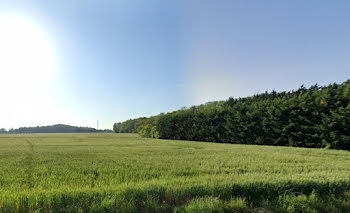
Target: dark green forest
(318, 117)
(58, 128)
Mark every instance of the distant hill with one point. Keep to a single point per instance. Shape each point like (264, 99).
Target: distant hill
(58, 128)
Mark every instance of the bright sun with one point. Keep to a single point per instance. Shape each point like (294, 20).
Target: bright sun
(27, 68)
(26, 56)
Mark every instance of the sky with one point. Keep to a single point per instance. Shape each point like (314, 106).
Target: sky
(79, 61)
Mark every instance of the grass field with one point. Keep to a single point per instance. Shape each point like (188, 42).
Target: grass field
(126, 173)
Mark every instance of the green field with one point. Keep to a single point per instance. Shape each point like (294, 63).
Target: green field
(126, 173)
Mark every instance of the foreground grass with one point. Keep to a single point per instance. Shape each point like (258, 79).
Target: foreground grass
(125, 173)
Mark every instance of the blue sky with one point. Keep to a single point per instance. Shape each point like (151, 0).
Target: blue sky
(116, 60)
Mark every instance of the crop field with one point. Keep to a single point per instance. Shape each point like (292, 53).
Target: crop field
(126, 173)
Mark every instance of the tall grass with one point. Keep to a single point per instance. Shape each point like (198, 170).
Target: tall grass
(125, 173)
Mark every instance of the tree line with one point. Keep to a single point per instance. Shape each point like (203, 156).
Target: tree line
(58, 128)
(316, 117)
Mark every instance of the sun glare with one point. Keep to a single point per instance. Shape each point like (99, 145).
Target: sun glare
(27, 67)
(26, 56)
